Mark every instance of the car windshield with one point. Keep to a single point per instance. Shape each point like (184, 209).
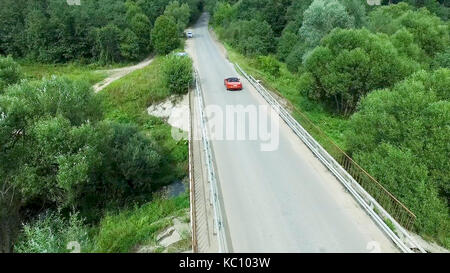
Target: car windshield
(233, 79)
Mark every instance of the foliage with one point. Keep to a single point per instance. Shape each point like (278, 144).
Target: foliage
(223, 14)
(52, 31)
(399, 135)
(429, 32)
(252, 37)
(295, 59)
(286, 44)
(129, 45)
(321, 17)
(108, 39)
(269, 65)
(350, 63)
(178, 73)
(165, 35)
(10, 72)
(180, 13)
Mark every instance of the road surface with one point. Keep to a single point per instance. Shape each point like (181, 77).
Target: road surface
(283, 200)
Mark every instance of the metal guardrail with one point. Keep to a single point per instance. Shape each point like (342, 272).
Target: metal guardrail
(357, 181)
(218, 219)
(191, 180)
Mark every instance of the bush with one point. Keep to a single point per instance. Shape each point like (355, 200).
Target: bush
(51, 233)
(165, 36)
(178, 74)
(10, 72)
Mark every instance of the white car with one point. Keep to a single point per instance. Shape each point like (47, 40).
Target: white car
(189, 34)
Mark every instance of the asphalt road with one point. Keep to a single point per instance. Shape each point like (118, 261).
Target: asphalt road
(283, 200)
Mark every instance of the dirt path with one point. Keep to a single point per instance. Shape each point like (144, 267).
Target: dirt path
(117, 73)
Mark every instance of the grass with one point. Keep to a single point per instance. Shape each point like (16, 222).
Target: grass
(37, 71)
(133, 93)
(287, 85)
(123, 231)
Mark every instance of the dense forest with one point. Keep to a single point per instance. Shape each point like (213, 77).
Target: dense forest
(96, 30)
(384, 70)
(70, 157)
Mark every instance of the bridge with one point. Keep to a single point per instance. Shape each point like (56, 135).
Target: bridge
(265, 184)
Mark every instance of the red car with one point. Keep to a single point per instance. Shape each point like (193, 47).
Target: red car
(233, 83)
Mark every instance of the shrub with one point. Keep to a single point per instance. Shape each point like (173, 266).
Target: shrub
(178, 73)
(51, 233)
(269, 65)
(10, 72)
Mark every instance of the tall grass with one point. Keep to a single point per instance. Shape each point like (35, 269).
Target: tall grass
(121, 232)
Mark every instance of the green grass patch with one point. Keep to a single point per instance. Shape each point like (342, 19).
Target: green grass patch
(90, 73)
(123, 231)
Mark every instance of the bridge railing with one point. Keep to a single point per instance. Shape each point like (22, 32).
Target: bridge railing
(389, 213)
(211, 174)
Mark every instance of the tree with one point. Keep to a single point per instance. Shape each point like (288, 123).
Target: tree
(357, 10)
(223, 14)
(141, 26)
(399, 135)
(108, 42)
(429, 32)
(350, 63)
(129, 46)
(251, 38)
(286, 44)
(321, 17)
(165, 35)
(178, 73)
(180, 13)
